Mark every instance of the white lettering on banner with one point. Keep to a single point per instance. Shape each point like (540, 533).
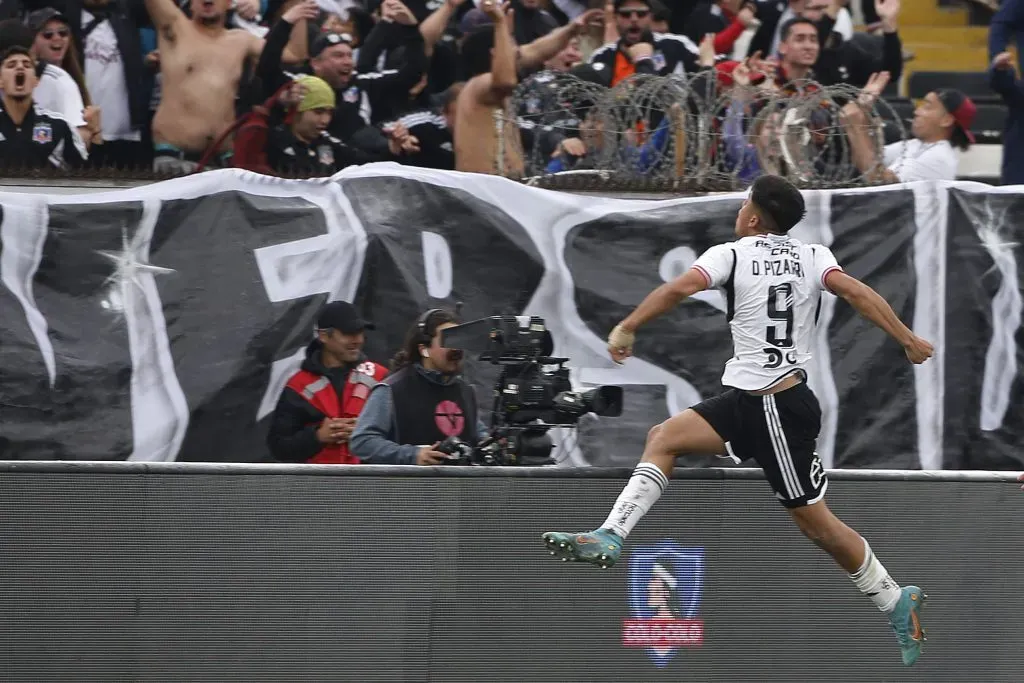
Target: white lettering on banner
(330, 263)
(160, 413)
(1001, 358)
(662, 632)
(437, 264)
(23, 233)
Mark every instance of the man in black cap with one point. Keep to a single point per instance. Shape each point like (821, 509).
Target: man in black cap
(318, 408)
(942, 122)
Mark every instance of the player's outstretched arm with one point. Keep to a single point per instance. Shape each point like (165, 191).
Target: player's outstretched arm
(657, 303)
(872, 306)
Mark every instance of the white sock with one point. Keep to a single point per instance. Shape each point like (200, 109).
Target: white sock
(644, 488)
(874, 581)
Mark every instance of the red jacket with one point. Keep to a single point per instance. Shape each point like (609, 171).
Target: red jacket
(250, 144)
(320, 393)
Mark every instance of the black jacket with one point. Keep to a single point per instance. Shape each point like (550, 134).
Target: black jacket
(323, 157)
(672, 55)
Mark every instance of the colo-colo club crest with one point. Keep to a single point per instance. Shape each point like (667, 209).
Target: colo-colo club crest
(665, 585)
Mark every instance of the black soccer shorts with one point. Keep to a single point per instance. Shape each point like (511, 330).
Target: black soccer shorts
(779, 431)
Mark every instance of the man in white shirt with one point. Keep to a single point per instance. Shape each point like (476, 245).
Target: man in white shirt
(942, 122)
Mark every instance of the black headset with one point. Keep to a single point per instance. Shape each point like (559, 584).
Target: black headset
(421, 325)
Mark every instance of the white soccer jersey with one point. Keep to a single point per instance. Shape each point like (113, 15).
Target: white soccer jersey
(773, 286)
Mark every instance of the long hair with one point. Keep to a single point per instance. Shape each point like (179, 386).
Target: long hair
(410, 352)
(73, 66)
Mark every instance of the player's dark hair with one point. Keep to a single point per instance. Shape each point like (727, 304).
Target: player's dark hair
(476, 51)
(778, 203)
(788, 25)
(421, 332)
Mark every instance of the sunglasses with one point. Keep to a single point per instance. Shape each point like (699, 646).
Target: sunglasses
(63, 33)
(638, 13)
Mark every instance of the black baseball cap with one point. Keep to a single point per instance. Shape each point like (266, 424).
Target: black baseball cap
(326, 40)
(341, 316)
(37, 20)
(963, 110)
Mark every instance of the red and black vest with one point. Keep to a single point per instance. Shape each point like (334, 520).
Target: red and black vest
(320, 393)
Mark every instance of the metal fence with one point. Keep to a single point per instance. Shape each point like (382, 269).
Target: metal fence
(693, 134)
(667, 134)
(148, 572)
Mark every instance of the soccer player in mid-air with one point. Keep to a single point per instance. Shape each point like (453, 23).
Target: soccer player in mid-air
(772, 284)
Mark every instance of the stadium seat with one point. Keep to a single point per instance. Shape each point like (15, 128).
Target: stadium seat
(989, 123)
(973, 83)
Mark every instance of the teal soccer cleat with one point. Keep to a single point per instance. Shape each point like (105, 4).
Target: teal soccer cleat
(906, 623)
(601, 547)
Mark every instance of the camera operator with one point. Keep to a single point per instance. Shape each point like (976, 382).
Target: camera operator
(318, 408)
(422, 403)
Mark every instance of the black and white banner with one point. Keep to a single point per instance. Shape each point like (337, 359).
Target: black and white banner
(161, 322)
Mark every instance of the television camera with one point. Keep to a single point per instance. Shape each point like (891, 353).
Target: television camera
(533, 393)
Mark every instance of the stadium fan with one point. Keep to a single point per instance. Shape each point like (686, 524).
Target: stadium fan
(432, 128)
(852, 59)
(201, 65)
(54, 44)
(1007, 25)
(55, 91)
(1004, 81)
(727, 19)
(107, 39)
(364, 94)
(775, 15)
(942, 121)
(301, 144)
(638, 50)
(30, 135)
(318, 408)
(491, 59)
(768, 413)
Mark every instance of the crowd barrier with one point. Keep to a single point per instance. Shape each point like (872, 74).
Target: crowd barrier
(181, 572)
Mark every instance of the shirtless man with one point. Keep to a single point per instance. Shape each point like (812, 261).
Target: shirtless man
(201, 64)
(490, 55)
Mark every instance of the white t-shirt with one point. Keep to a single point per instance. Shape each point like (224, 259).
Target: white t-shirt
(104, 77)
(772, 285)
(915, 160)
(58, 92)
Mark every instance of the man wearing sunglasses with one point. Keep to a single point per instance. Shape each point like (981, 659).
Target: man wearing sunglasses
(638, 50)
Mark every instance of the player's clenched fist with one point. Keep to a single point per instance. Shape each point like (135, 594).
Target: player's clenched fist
(919, 350)
(620, 343)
